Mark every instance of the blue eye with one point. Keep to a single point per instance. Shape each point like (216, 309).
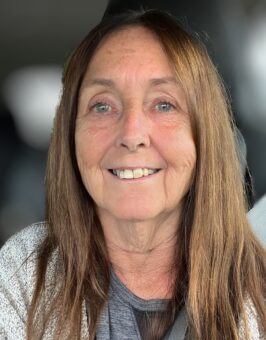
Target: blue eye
(164, 107)
(101, 107)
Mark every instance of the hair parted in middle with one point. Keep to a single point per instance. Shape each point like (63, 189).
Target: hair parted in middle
(214, 239)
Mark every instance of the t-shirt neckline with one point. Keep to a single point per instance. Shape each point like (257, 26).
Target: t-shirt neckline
(125, 295)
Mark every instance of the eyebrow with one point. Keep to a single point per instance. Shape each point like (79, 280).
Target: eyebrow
(163, 80)
(100, 82)
(111, 84)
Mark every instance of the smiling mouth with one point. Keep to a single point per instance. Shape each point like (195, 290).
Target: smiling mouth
(132, 174)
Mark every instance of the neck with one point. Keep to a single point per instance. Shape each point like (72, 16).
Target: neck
(142, 254)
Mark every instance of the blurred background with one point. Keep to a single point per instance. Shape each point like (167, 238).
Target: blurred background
(36, 38)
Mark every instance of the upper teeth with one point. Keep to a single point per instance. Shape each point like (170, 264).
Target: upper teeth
(135, 173)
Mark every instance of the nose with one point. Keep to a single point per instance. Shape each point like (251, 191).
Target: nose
(134, 131)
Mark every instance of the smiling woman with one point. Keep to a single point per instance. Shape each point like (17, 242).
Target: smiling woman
(140, 121)
(146, 234)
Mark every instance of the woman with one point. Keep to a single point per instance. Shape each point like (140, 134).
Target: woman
(146, 233)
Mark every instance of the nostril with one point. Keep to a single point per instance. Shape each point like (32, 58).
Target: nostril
(133, 138)
(133, 145)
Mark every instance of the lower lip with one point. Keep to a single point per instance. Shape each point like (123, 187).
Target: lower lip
(134, 180)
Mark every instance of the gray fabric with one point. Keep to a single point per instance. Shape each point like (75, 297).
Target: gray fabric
(179, 329)
(119, 319)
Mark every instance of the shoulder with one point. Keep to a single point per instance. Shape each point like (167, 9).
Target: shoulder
(19, 250)
(18, 265)
(22, 244)
(18, 259)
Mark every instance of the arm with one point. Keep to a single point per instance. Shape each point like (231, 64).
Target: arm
(17, 267)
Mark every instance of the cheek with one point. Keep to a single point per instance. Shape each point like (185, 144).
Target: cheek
(179, 152)
(91, 148)
(177, 146)
(84, 153)
(179, 177)
(90, 170)
(186, 155)
(90, 145)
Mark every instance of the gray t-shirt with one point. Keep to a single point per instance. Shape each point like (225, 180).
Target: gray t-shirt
(124, 316)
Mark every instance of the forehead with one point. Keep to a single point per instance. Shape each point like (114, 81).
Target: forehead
(123, 35)
(135, 46)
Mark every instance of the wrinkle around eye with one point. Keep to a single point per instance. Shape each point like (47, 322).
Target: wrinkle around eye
(100, 104)
(91, 96)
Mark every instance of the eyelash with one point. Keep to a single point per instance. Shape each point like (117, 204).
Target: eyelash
(166, 102)
(94, 105)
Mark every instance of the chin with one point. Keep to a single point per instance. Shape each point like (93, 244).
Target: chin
(135, 213)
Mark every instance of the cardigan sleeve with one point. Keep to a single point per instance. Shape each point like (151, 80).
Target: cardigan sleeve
(255, 333)
(17, 273)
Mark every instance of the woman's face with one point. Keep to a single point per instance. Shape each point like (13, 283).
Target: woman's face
(134, 143)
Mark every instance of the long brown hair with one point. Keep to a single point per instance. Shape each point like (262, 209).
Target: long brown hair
(219, 263)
